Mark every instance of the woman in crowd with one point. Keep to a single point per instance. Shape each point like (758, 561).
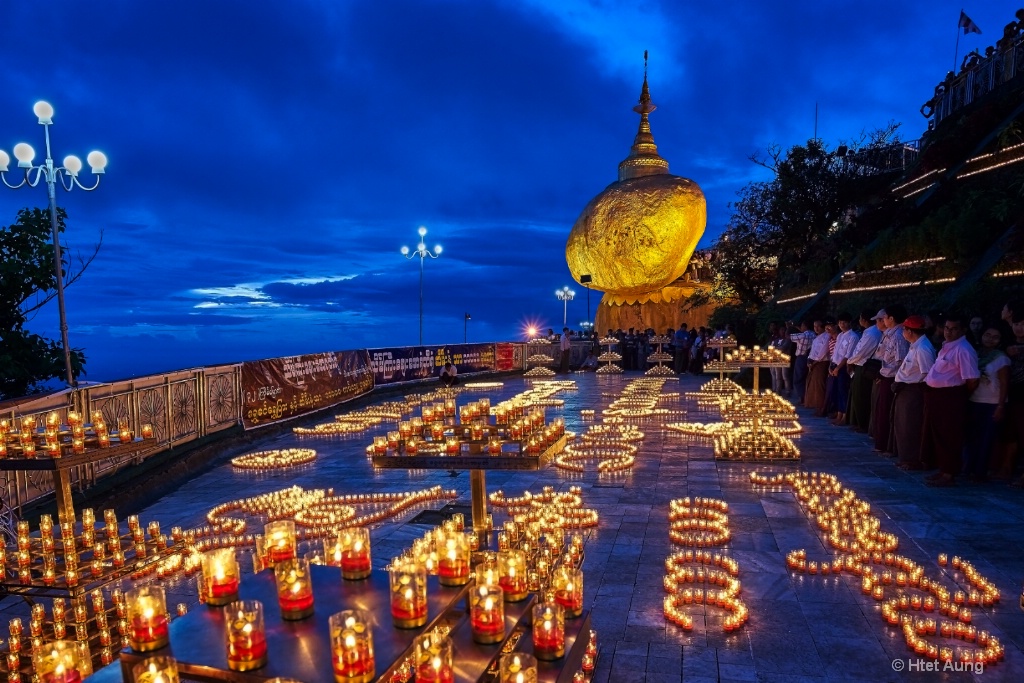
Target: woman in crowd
(986, 406)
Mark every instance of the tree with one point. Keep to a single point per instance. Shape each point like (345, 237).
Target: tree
(27, 283)
(797, 227)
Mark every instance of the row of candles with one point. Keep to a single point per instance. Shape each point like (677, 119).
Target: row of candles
(612, 446)
(274, 459)
(411, 436)
(59, 563)
(701, 523)
(371, 416)
(547, 509)
(860, 542)
(26, 433)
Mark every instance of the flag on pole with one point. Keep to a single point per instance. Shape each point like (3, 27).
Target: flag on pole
(967, 24)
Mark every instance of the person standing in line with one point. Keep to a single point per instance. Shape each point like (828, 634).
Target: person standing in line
(681, 342)
(802, 341)
(908, 394)
(697, 352)
(864, 369)
(891, 352)
(952, 378)
(986, 407)
(565, 344)
(838, 389)
(1011, 438)
(820, 358)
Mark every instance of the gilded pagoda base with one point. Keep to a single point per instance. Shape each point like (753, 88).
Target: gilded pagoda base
(659, 310)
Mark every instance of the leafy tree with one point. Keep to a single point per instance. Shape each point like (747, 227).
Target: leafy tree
(799, 227)
(27, 283)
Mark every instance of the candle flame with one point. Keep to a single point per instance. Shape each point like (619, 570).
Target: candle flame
(350, 642)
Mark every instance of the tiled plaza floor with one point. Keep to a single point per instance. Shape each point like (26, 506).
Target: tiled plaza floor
(801, 628)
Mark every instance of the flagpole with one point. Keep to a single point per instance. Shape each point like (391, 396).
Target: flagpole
(956, 52)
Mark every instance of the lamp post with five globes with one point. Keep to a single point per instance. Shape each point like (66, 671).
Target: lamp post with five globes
(421, 251)
(51, 174)
(565, 295)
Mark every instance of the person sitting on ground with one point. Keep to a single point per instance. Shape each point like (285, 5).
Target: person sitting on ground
(590, 363)
(449, 375)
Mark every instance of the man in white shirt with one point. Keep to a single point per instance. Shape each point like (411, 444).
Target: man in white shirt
(864, 369)
(817, 367)
(908, 387)
(890, 352)
(803, 340)
(838, 391)
(448, 375)
(949, 382)
(566, 347)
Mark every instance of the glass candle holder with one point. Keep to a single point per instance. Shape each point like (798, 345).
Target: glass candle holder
(246, 635)
(412, 445)
(156, 670)
(147, 431)
(279, 541)
(512, 575)
(487, 614)
(408, 594)
(380, 445)
(294, 589)
(567, 584)
(453, 560)
(432, 659)
(451, 445)
(58, 662)
(518, 668)
(220, 576)
(354, 546)
(147, 618)
(352, 647)
(548, 630)
(437, 431)
(393, 439)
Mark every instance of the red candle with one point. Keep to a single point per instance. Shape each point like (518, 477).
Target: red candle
(352, 647)
(487, 614)
(548, 631)
(294, 589)
(246, 636)
(147, 618)
(409, 595)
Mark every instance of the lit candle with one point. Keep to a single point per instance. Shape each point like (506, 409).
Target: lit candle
(220, 576)
(246, 635)
(437, 431)
(568, 586)
(58, 662)
(432, 660)
(494, 446)
(103, 440)
(453, 563)
(548, 630)
(451, 445)
(408, 594)
(380, 445)
(147, 616)
(77, 445)
(294, 589)
(156, 670)
(354, 545)
(393, 438)
(518, 668)
(487, 614)
(512, 575)
(147, 431)
(352, 647)
(279, 541)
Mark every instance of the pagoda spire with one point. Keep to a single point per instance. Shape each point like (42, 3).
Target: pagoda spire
(643, 159)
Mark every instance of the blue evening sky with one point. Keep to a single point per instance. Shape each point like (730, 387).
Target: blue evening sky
(268, 159)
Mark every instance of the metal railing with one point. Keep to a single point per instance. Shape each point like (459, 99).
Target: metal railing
(979, 75)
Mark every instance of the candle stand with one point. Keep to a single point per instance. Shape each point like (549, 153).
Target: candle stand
(754, 435)
(540, 361)
(301, 650)
(609, 357)
(712, 393)
(660, 357)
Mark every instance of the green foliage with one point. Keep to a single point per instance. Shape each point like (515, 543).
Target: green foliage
(27, 282)
(801, 226)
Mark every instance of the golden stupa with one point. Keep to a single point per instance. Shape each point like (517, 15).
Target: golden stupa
(636, 237)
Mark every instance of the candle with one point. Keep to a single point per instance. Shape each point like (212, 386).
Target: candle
(352, 647)
(568, 586)
(354, 547)
(487, 614)
(147, 617)
(77, 445)
(437, 431)
(156, 670)
(294, 589)
(548, 630)
(103, 440)
(393, 438)
(512, 574)
(453, 563)
(494, 446)
(279, 541)
(220, 576)
(518, 668)
(58, 662)
(451, 445)
(246, 635)
(432, 659)
(380, 445)
(408, 594)
(147, 431)
(412, 445)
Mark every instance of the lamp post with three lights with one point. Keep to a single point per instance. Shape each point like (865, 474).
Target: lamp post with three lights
(421, 251)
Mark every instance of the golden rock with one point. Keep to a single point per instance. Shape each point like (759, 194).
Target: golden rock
(636, 237)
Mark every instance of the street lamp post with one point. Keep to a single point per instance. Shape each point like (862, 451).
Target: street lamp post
(51, 174)
(421, 251)
(565, 295)
(465, 329)
(585, 280)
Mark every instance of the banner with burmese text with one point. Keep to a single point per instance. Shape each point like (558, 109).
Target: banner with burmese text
(278, 389)
(415, 363)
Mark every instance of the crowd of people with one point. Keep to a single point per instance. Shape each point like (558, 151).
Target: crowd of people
(934, 392)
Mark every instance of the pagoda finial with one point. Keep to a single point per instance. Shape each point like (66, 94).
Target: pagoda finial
(643, 157)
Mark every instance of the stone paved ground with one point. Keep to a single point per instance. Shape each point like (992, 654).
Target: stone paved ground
(802, 628)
